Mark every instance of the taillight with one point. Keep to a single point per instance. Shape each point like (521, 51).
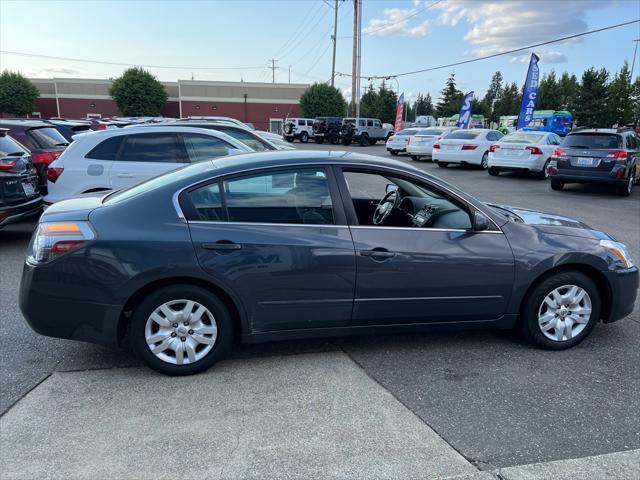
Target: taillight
(493, 148)
(558, 152)
(100, 126)
(436, 146)
(42, 157)
(53, 173)
(54, 239)
(469, 147)
(7, 164)
(534, 150)
(618, 155)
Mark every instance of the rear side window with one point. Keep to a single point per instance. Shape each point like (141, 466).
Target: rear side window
(47, 137)
(369, 123)
(107, 149)
(205, 147)
(207, 203)
(152, 147)
(596, 141)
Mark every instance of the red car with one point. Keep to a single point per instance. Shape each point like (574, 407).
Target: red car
(42, 139)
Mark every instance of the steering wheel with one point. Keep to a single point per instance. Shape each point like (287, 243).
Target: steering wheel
(385, 207)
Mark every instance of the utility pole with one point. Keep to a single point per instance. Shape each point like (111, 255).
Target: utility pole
(359, 62)
(354, 64)
(633, 64)
(273, 70)
(289, 73)
(335, 39)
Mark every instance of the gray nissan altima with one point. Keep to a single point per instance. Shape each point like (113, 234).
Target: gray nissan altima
(284, 245)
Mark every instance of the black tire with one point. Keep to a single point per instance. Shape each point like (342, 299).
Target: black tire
(288, 139)
(626, 189)
(532, 303)
(372, 141)
(304, 137)
(556, 184)
(346, 141)
(443, 164)
(393, 152)
(334, 138)
(152, 301)
(416, 158)
(319, 140)
(484, 162)
(544, 174)
(493, 171)
(364, 140)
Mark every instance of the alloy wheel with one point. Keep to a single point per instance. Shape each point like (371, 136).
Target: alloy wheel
(564, 313)
(485, 162)
(181, 332)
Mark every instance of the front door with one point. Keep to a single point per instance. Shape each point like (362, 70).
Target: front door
(422, 263)
(279, 240)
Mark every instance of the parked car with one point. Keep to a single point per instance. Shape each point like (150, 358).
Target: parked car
(467, 147)
(558, 122)
(367, 131)
(297, 129)
(283, 245)
(327, 128)
(421, 145)
(523, 152)
(119, 158)
(598, 155)
(19, 196)
(398, 142)
(43, 141)
(69, 128)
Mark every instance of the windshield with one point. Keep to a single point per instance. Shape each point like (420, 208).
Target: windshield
(596, 141)
(521, 138)
(408, 131)
(462, 135)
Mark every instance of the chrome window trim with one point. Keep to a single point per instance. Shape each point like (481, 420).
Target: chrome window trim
(266, 224)
(413, 229)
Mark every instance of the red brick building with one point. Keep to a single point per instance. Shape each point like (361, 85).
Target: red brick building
(265, 105)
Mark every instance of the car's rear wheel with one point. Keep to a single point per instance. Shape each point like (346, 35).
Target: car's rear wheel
(393, 152)
(288, 139)
(416, 158)
(304, 137)
(334, 139)
(443, 164)
(181, 330)
(364, 140)
(484, 163)
(556, 184)
(561, 311)
(319, 140)
(493, 171)
(626, 189)
(544, 174)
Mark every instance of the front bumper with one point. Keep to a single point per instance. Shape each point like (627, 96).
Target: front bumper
(624, 290)
(15, 213)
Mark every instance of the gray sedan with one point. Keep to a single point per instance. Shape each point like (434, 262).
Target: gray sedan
(284, 245)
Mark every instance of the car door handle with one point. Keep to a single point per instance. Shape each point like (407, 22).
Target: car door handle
(222, 245)
(378, 253)
(124, 175)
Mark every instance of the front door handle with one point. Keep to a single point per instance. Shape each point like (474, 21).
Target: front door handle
(222, 245)
(378, 253)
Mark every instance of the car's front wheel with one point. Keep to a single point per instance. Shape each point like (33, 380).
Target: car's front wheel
(181, 330)
(560, 311)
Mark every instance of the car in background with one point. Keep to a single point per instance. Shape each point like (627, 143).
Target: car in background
(327, 128)
(466, 147)
(43, 141)
(523, 151)
(397, 143)
(119, 158)
(559, 122)
(421, 145)
(69, 128)
(364, 131)
(597, 155)
(19, 196)
(297, 129)
(283, 245)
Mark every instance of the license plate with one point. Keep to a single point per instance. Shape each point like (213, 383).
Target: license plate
(28, 189)
(585, 161)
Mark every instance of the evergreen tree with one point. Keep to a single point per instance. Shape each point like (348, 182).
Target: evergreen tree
(569, 87)
(635, 101)
(591, 107)
(619, 94)
(549, 93)
(379, 103)
(509, 101)
(450, 98)
(492, 96)
(428, 105)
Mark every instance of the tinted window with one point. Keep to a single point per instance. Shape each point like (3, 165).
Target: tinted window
(631, 142)
(47, 137)
(8, 146)
(152, 147)
(520, 137)
(407, 131)
(207, 203)
(107, 149)
(370, 123)
(300, 122)
(250, 140)
(310, 123)
(204, 147)
(430, 132)
(295, 196)
(462, 135)
(607, 141)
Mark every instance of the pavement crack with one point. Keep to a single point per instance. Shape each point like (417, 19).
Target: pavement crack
(237, 443)
(26, 393)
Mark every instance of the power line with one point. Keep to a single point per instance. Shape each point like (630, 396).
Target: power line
(404, 19)
(298, 30)
(85, 60)
(561, 39)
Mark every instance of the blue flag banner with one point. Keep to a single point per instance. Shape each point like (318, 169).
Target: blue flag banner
(465, 111)
(530, 93)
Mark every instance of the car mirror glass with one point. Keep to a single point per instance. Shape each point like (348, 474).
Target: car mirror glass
(480, 222)
(391, 187)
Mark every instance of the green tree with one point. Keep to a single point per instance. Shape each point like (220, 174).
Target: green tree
(379, 103)
(450, 98)
(322, 100)
(17, 94)
(591, 107)
(569, 87)
(509, 101)
(492, 96)
(619, 94)
(549, 93)
(138, 93)
(635, 101)
(424, 105)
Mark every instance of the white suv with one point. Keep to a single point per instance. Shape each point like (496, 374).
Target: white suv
(118, 158)
(298, 128)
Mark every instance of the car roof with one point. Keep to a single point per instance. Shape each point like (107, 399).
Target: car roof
(27, 123)
(595, 130)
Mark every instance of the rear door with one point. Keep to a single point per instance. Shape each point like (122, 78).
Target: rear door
(279, 240)
(146, 155)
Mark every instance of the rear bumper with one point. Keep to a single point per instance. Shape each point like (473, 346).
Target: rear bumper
(589, 176)
(16, 213)
(425, 151)
(624, 290)
(396, 149)
(472, 157)
(531, 164)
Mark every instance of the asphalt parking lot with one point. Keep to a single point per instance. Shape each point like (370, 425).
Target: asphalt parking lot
(473, 400)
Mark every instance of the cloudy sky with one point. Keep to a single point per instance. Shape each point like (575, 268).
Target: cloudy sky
(233, 40)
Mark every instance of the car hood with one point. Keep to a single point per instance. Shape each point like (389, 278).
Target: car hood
(553, 223)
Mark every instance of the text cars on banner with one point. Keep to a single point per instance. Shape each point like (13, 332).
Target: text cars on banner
(530, 93)
(465, 111)
(399, 112)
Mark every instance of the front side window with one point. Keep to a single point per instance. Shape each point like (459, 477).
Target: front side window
(205, 147)
(152, 147)
(301, 122)
(293, 196)
(370, 123)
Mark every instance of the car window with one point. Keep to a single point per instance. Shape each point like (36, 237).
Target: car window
(294, 196)
(431, 132)
(462, 135)
(152, 147)
(605, 141)
(376, 124)
(107, 149)
(47, 137)
(205, 147)
(207, 203)
(300, 122)
(8, 146)
(251, 140)
(309, 123)
(418, 202)
(369, 123)
(631, 144)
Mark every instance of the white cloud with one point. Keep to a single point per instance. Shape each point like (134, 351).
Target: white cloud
(499, 26)
(59, 69)
(397, 21)
(548, 56)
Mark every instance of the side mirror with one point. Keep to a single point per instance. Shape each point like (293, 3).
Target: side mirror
(480, 222)
(391, 187)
